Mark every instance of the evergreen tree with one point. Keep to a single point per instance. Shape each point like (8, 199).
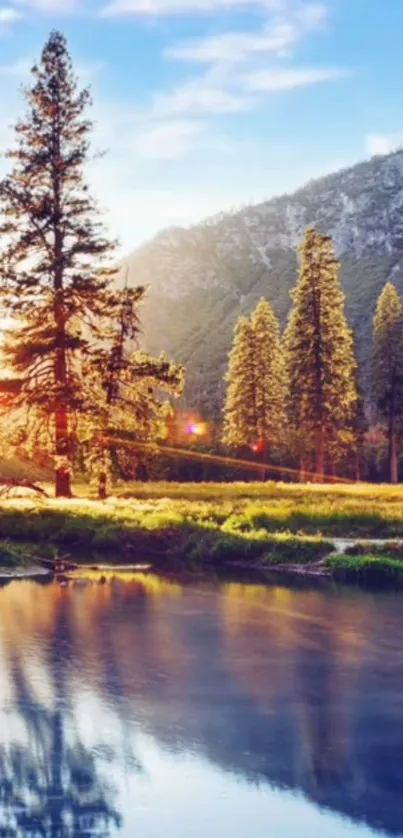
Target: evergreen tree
(322, 394)
(270, 386)
(52, 246)
(387, 367)
(239, 409)
(254, 409)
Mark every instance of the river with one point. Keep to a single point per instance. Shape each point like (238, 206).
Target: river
(152, 708)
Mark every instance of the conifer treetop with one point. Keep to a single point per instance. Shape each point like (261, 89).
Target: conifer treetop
(46, 195)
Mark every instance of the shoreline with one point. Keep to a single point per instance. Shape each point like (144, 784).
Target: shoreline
(334, 568)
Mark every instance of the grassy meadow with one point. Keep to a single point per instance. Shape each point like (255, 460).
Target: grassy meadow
(336, 511)
(198, 525)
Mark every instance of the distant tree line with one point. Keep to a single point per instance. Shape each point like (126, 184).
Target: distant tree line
(297, 396)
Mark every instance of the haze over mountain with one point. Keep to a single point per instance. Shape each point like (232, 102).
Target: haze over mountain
(201, 279)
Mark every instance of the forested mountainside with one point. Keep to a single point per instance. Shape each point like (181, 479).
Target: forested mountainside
(202, 278)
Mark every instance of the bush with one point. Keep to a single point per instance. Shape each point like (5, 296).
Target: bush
(366, 568)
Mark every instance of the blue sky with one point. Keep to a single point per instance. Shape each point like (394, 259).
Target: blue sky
(205, 105)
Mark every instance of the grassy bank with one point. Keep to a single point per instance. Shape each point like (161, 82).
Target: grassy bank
(132, 530)
(193, 525)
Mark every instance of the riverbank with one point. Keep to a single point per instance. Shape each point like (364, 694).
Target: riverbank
(310, 530)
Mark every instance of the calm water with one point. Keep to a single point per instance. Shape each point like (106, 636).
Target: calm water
(153, 709)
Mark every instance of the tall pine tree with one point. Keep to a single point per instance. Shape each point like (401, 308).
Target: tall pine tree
(254, 412)
(322, 395)
(239, 409)
(387, 368)
(270, 387)
(52, 247)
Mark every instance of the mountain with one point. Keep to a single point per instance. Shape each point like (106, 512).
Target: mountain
(201, 279)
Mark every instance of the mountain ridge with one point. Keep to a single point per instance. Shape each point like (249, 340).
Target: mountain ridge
(203, 277)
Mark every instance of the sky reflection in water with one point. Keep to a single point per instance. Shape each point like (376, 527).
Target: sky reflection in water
(205, 710)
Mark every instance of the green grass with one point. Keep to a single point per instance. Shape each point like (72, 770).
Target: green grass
(342, 510)
(366, 568)
(298, 492)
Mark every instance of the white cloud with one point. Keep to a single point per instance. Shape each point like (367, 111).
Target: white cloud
(279, 35)
(204, 94)
(272, 80)
(174, 7)
(8, 17)
(224, 87)
(312, 15)
(168, 140)
(132, 137)
(236, 46)
(383, 143)
(219, 92)
(310, 11)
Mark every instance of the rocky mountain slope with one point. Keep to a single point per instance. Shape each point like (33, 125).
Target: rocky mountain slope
(202, 278)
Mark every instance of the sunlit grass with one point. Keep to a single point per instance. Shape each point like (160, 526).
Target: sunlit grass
(174, 530)
(261, 490)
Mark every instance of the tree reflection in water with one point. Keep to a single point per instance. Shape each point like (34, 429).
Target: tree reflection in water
(292, 690)
(51, 784)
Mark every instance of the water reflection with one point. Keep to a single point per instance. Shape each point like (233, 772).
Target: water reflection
(127, 707)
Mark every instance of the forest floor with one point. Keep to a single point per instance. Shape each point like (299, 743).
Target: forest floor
(342, 531)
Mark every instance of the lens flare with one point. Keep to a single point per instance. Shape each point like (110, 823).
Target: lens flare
(196, 429)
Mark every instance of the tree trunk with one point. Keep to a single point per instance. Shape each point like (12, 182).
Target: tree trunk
(302, 468)
(320, 456)
(55, 795)
(358, 465)
(62, 472)
(62, 443)
(57, 754)
(393, 464)
(263, 471)
(103, 461)
(102, 486)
